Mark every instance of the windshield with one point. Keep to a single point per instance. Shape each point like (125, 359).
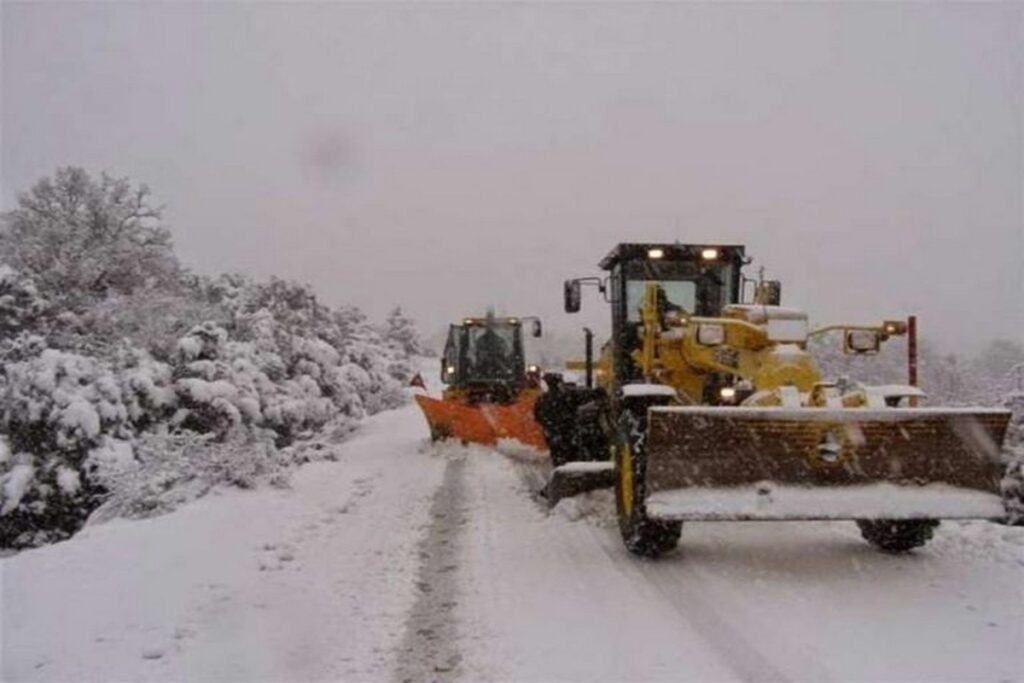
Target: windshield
(490, 352)
(696, 289)
(680, 294)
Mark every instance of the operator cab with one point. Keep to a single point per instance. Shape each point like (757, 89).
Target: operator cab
(486, 352)
(698, 280)
(695, 280)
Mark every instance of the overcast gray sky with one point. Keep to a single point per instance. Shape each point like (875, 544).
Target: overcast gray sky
(452, 156)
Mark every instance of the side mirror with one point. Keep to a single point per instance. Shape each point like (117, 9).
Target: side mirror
(862, 341)
(536, 330)
(572, 296)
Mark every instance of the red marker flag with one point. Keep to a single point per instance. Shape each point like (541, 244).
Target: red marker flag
(417, 381)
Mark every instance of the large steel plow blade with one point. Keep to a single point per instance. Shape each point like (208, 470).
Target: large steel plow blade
(821, 463)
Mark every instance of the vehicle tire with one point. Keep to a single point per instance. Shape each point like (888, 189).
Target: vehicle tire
(897, 535)
(641, 535)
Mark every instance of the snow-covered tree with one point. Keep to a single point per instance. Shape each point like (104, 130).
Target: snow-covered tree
(888, 366)
(999, 368)
(401, 329)
(78, 237)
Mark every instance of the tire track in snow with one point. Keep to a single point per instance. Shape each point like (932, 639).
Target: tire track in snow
(688, 593)
(732, 647)
(429, 649)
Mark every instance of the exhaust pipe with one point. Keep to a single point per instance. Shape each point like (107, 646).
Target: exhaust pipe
(589, 351)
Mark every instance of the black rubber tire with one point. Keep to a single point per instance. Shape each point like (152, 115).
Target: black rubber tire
(897, 535)
(641, 535)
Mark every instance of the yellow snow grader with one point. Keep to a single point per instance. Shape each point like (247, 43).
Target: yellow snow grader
(708, 406)
(490, 391)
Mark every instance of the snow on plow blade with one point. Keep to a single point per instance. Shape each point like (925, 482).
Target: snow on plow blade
(820, 463)
(484, 423)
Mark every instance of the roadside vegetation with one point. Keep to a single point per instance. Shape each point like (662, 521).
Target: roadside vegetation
(129, 384)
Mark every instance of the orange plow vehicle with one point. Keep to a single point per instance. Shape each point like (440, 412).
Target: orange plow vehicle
(490, 393)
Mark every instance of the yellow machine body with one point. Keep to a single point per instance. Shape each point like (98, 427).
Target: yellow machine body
(712, 408)
(793, 446)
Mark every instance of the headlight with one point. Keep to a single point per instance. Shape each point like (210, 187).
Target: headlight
(896, 327)
(655, 253)
(727, 393)
(709, 254)
(710, 335)
(450, 369)
(533, 369)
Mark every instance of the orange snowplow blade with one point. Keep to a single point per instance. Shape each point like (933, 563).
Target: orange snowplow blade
(484, 423)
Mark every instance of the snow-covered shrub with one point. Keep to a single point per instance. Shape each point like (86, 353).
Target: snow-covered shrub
(224, 384)
(61, 401)
(370, 374)
(147, 390)
(1013, 482)
(20, 348)
(286, 322)
(210, 397)
(60, 412)
(21, 305)
(378, 384)
(153, 319)
(124, 378)
(172, 468)
(285, 319)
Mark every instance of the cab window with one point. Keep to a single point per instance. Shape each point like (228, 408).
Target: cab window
(679, 293)
(490, 352)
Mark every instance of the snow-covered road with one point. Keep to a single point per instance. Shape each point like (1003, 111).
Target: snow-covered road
(403, 561)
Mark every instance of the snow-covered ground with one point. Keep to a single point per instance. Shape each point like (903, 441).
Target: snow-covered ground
(405, 561)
